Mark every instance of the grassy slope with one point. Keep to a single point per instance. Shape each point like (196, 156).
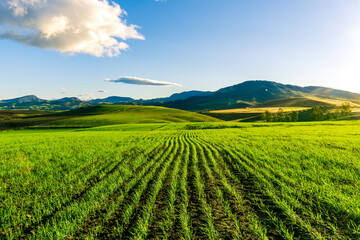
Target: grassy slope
(303, 102)
(109, 115)
(7, 114)
(300, 104)
(248, 114)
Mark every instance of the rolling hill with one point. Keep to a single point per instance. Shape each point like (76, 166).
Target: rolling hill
(303, 102)
(246, 94)
(102, 115)
(26, 99)
(251, 93)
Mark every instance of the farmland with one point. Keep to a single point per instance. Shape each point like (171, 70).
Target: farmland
(182, 181)
(250, 114)
(103, 115)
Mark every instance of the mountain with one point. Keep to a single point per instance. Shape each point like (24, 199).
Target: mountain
(330, 92)
(113, 99)
(26, 99)
(68, 99)
(181, 96)
(32, 102)
(188, 94)
(303, 102)
(246, 94)
(251, 93)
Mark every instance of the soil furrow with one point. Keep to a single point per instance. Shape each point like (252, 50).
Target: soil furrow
(164, 211)
(123, 213)
(97, 218)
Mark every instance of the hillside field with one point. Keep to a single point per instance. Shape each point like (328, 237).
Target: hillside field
(305, 102)
(182, 181)
(252, 114)
(101, 115)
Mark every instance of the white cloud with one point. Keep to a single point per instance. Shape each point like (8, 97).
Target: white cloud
(93, 27)
(64, 91)
(141, 81)
(86, 96)
(103, 91)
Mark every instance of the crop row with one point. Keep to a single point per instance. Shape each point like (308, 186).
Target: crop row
(208, 184)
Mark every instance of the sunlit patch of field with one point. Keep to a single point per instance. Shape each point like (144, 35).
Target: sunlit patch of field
(7, 114)
(106, 115)
(304, 102)
(334, 101)
(259, 110)
(252, 114)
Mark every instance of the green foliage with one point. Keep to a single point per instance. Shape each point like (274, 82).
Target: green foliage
(267, 116)
(280, 116)
(294, 116)
(321, 113)
(318, 113)
(345, 109)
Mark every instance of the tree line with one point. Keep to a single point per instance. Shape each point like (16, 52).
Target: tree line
(317, 113)
(280, 116)
(323, 113)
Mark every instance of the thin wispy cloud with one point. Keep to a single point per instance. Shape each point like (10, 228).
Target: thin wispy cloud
(86, 96)
(141, 81)
(94, 27)
(64, 90)
(103, 91)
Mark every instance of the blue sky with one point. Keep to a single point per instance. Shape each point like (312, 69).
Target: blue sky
(201, 45)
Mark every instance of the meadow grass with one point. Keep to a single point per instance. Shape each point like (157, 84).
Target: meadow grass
(182, 181)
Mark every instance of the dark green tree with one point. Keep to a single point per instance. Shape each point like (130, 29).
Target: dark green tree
(317, 113)
(337, 113)
(287, 118)
(280, 115)
(267, 116)
(345, 109)
(275, 118)
(294, 116)
(329, 116)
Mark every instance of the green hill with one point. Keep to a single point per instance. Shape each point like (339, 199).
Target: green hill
(102, 115)
(250, 93)
(303, 102)
(243, 95)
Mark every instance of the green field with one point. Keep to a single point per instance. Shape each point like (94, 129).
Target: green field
(182, 181)
(101, 115)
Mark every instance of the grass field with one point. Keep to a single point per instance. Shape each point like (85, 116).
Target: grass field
(9, 114)
(304, 102)
(101, 115)
(252, 114)
(182, 181)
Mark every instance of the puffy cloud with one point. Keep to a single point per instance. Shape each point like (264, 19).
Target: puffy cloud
(141, 81)
(93, 27)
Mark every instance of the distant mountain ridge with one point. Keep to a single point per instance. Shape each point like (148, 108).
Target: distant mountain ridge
(113, 99)
(250, 93)
(28, 98)
(245, 94)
